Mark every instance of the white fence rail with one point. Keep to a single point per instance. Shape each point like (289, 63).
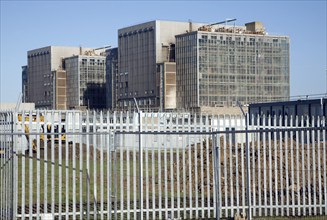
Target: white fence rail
(7, 204)
(160, 165)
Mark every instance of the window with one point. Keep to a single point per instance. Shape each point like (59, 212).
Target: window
(204, 37)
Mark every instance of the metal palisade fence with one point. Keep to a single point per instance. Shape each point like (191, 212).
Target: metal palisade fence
(127, 165)
(7, 169)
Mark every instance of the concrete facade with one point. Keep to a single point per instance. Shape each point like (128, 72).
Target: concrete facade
(60, 87)
(141, 48)
(167, 71)
(218, 66)
(47, 63)
(41, 64)
(111, 77)
(166, 66)
(24, 82)
(86, 81)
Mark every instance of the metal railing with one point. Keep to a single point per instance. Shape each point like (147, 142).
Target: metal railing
(7, 202)
(160, 165)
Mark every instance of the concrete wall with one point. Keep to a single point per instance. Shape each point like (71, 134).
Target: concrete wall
(61, 88)
(141, 47)
(22, 106)
(165, 35)
(137, 64)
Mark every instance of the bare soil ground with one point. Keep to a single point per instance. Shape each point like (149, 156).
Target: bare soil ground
(296, 172)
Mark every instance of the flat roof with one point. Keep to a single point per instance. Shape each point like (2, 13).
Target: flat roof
(300, 101)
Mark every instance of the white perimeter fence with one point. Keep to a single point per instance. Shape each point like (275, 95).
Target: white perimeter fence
(94, 165)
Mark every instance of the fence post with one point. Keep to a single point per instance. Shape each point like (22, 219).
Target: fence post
(87, 193)
(87, 121)
(140, 166)
(216, 152)
(115, 170)
(13, 170)
(249, 213)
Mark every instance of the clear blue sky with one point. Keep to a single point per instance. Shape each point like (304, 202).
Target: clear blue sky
(27, 25)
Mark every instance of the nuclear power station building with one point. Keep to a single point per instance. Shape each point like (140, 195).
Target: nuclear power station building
(86, 81)
(164, 66)
(193, 66)
(146, 54)
(48, 84)
(220, 65)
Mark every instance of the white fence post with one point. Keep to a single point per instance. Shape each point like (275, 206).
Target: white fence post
(140, 166)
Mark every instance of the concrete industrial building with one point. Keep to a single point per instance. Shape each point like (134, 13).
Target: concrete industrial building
(210, 66)
(166, 66)
(46, 79)
(220, 65)
(86, 81)
(42, 63)
(143, 50)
